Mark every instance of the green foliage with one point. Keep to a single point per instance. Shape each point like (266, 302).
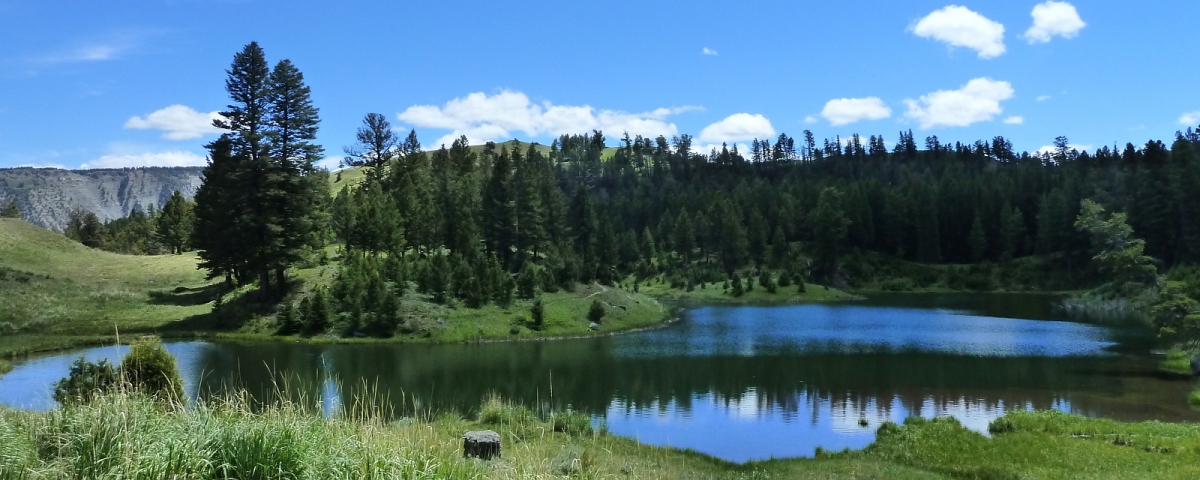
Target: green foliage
(830, 226)
(86, 381)
(737, 290)
(1117, 251)
(10, 209)
(173, 226)
(150, 369)
(1177, 315)
(289, 319)
(537, 314)
(262, 204)
(596, 312)
(527, 281)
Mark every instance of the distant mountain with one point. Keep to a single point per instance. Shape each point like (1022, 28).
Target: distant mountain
(47, 196)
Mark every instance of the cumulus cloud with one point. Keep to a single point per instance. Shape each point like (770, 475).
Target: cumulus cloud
(958, 26)
(977, 101)
(1043, 98)
(1015, 120)
(811, 119)
(737, 127)
(483, 117)
(843, 111)
(708, 51)
(159, 159)
(178, 122)
(1190, 118)
(1054, 18)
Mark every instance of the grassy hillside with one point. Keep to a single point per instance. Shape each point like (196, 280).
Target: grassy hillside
(56, 292)
(129, 436)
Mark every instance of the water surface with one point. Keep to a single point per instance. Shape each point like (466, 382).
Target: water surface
(740, 383)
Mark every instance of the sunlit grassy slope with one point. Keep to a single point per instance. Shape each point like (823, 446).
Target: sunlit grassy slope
(56, 292)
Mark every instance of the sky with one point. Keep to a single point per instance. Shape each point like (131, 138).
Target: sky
(87, 84)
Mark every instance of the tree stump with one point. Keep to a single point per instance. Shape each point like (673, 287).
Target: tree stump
(483, 444)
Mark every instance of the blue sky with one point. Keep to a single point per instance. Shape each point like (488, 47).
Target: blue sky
(125, 83)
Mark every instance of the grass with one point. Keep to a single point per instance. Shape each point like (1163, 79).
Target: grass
(1177, 361)
(130, 436)
(57, 294)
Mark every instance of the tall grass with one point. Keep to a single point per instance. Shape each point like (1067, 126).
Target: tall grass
(126, 435)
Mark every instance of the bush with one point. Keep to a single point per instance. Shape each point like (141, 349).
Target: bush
(537, 314)
(596, 312)
(149, 368)
(86, 381)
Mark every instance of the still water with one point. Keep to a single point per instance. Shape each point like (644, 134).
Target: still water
(740, 383)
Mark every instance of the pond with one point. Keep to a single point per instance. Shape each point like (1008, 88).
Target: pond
(737, 382)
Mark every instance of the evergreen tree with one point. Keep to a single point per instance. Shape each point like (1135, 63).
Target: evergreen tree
(537, 314)
(830, 226)
(977, 240)
(596, 312)
(10, 209)
(174, 225)
(301, 193)
(500, 222)
(375, 149)
(781, 252)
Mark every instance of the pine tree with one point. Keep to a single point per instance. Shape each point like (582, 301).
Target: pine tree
(684, 236)
(830, 226)
(537, 314)
(375, 149)
(173, 226)
(301, 194)
(530, 214)
(977, 239)
(221, 215)
(781, 252)
(596, 312)
(500, 219)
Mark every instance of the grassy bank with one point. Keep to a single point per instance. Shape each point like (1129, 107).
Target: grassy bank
(228, 439)
(57, 294)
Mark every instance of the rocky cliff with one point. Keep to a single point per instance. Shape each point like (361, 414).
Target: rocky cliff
(47, 196)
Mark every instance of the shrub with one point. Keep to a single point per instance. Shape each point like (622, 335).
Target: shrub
(86, 381)
(149, 368)
(596, 312)
(537, 314)
(289, 319)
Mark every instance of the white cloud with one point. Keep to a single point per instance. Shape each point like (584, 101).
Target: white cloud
(483, 118)
(960, 27)
(332, 164)
(977, 101)
(1049, 149)
(811, 119)
(708, 148)
(737, 127)
(1015, 120)
(1053, 18)
(160, 159)
(843, 111)
(1043, 98)
(178, 122)
(708, 51)
(1190, 119)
